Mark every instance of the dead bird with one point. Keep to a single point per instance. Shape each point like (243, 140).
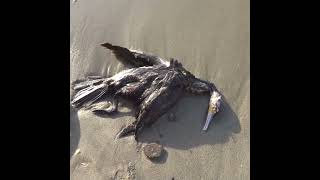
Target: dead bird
(154, 85)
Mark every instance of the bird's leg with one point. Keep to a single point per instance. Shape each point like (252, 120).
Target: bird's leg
(138, 129)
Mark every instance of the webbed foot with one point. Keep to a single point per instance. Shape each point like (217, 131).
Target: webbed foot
(109, 110)
(103, 110)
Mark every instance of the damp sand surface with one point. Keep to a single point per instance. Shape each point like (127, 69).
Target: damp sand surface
(211, 39)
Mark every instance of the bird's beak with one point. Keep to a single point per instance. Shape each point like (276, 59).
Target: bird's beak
(214, 107)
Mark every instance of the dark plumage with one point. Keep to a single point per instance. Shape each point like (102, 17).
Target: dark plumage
(154, 86)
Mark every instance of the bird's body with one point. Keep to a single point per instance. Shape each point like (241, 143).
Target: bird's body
(154, 86)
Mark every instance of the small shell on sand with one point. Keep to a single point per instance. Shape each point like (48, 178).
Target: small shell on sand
(84, 164)
(152, 150)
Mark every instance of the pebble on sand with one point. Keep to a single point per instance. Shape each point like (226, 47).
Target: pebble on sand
(152, 150)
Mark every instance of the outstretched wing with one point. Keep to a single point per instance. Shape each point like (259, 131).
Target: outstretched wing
(133, 57)
(161, 99)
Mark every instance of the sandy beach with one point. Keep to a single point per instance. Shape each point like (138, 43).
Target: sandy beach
(211, 39)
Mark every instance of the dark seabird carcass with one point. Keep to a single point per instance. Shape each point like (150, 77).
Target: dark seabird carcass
(154, 85)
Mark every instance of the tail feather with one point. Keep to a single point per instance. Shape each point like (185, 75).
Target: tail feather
(91, 93)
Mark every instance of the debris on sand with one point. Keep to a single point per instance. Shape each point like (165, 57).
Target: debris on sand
(153, 150)
(131, 170)
(127, 172)
(84, 164)
(138, 147)
(76, 152)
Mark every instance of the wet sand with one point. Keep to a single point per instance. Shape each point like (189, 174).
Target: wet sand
(211, 39)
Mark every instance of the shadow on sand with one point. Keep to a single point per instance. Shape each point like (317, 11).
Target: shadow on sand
(74, 131)
(183, 133)
(186, 131)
